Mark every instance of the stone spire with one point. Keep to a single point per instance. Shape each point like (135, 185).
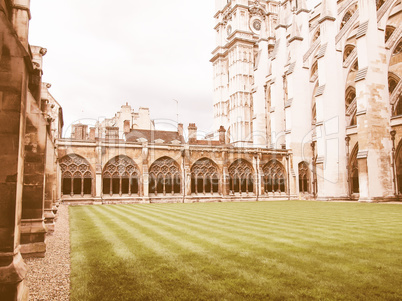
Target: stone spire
(295, 34)
(302, 6)
(281, 18)
(326, 12)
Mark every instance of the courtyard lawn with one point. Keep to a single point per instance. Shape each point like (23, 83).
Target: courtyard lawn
(290, 250)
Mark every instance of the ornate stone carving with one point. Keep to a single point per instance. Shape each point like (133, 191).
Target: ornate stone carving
(120, 167)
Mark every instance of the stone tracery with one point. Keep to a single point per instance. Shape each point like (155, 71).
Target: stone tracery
(120, 176)
(164, 177)
(241, 177)
(273, 177)
(76, 175)
(204, 177)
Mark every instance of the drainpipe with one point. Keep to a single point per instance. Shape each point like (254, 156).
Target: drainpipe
(183, 155)
(314, 163)
(287, 160)
(347, 139)
(258, 176)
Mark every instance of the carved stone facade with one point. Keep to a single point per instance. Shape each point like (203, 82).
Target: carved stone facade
(142, 171)
(30, 124)
(325, 84)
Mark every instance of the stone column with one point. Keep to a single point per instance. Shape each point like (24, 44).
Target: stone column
(50, 179)
(330, 108)
(13, 93)
(373, 112)
(33, 230)
(144, 180)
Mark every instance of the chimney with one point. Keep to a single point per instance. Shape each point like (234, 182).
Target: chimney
(92, 133)
(222, 135)
(180, 129)
(192, 133)
(126, 126)
(79, 131)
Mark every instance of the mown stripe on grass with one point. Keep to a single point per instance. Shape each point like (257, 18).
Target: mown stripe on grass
(336, 264)
(177, 236)
(235, 264)
(165, 250)
(185, 234)
(258, 255)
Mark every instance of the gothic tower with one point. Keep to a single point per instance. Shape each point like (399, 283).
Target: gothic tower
(243, 33)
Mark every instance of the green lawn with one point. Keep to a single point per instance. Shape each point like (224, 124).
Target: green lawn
(290, 250)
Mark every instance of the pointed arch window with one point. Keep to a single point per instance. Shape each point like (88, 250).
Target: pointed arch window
(389, 30)
(379, 3)
(164, 177)
(346, 18)
(274, 177)
(351, 106)
(241, 177)
(76, 176)
(398, 163)
(304, 177)
(121, 176)
(316, 35)
(204, 177)
(354, 171)
(314, 72)
(348, 50)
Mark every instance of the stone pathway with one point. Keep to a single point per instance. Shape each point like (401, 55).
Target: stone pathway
(48, 278)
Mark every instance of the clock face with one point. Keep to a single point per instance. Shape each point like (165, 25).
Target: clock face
(229, 30)
(257, 25)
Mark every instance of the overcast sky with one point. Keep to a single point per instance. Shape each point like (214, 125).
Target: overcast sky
(102, 54)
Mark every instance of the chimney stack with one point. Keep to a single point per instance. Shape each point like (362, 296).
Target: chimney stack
(222, 135)
(92, 133)
(126, 126)
(180, 129)
(192, 133)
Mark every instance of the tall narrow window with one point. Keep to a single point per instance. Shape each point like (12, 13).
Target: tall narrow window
(354, 171)
(304, 177)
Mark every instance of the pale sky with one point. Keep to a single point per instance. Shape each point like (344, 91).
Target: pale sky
(102, 54)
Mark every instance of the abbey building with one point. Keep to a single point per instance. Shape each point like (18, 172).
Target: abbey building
(323, 84)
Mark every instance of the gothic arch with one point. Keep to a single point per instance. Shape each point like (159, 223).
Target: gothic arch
(304, 177)
(349, 13)
(350, 106)
(274, 177)
(389, 30)
(314, 106)
(164, 177)
(241, 178)
(398, 165)
(314, 71)
(354, 170)
(347, 51)
(204, 177)
(76, 176)
(379, 3)
(316, 35)
(394, 78)
(120, 176)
